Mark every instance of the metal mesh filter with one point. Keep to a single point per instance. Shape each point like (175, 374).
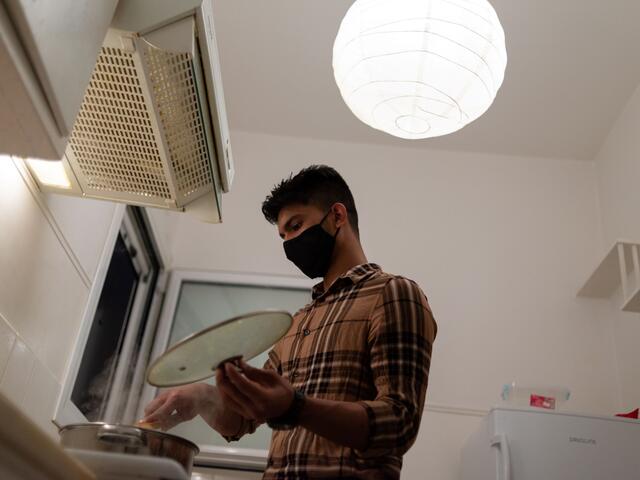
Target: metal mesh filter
(113, 141)
(139, 134)
(173, 87)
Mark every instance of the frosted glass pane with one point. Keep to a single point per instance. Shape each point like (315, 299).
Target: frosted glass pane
(201, 305)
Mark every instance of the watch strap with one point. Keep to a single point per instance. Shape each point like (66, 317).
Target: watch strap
(289, 419)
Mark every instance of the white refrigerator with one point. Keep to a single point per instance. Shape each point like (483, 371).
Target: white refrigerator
(536, 444)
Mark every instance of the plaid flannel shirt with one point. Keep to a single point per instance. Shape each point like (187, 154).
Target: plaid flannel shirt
(367, 339)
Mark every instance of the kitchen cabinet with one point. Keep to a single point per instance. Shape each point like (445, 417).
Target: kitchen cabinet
(48, 49)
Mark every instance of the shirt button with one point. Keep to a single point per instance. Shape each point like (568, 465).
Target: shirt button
(306, 332)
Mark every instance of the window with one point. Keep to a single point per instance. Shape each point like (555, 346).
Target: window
(196, 300)
(107, 373)
(98, 366)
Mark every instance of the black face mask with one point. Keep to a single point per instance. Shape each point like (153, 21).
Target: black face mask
(311, 251)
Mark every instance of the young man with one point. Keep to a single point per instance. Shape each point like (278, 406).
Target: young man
(344, 390)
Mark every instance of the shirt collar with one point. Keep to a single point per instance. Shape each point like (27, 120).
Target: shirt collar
(352, 276)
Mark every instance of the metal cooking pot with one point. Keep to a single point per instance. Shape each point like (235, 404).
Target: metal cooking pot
(105, 437)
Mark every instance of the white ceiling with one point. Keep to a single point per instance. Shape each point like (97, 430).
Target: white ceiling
(572, 66)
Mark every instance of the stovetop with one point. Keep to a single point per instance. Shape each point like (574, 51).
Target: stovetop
(123, 466)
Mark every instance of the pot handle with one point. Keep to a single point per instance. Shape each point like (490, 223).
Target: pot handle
(121, 436)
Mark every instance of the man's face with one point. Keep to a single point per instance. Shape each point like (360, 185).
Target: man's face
(295, 219)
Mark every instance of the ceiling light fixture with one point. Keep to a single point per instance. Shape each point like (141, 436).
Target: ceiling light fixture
(419, 68)
(49, 172)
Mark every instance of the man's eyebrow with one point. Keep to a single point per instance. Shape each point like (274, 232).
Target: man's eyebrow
(288, 224)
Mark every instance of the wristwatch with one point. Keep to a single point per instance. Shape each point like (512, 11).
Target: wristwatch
(289, 419)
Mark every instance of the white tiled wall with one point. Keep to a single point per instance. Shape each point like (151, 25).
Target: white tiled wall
(27, 381)
(49, 251)
(7, 340)
(17, 372)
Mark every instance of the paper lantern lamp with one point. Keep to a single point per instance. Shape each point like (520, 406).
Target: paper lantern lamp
(419, 68)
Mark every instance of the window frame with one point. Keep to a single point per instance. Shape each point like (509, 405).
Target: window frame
(66, 411)
(126, 358)
(210, 455)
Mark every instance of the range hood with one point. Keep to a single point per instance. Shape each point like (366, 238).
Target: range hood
(152, 128)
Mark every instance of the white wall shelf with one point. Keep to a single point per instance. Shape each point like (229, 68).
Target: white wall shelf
(632, 304)
(620, 266)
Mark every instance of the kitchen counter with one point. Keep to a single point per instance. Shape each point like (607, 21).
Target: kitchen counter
(28, 452)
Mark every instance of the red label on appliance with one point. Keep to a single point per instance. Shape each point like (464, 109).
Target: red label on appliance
(542, 402)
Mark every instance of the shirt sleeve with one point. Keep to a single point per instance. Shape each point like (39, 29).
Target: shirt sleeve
(248, 426)
(401, 337)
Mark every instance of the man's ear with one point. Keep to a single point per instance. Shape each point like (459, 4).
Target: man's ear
(340, 215)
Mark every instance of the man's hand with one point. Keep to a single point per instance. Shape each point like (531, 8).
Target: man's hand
(177, 405)
(263, 394)
(253, 393)
(182, 404)
(248, 392)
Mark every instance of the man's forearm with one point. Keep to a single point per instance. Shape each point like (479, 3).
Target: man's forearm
(223, 420)
(344, 423)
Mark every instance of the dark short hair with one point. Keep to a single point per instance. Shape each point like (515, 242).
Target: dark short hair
(317, 185)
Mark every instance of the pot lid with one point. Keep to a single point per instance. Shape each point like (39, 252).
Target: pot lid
(196, 357)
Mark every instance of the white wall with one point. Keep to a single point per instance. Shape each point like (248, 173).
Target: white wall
(618, 167)
(500, 245)
(49, 251)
